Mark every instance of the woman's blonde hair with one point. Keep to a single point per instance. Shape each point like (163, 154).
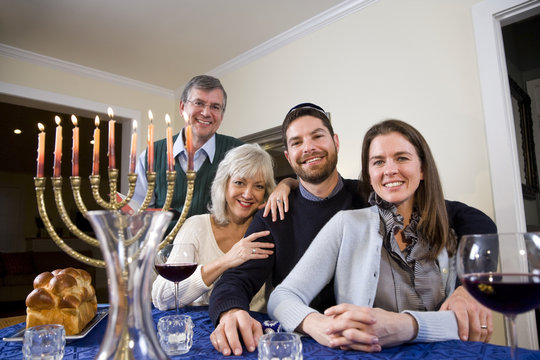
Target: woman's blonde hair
(245, 161)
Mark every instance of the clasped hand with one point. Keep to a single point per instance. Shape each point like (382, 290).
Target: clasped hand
(351, 327)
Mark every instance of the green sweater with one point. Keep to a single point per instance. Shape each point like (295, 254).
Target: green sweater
(203, 180)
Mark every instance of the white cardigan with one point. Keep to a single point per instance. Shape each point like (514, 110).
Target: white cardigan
(348, 249)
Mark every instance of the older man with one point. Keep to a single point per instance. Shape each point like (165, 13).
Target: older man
(203, 104)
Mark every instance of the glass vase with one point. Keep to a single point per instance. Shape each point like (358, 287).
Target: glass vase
(128, 244)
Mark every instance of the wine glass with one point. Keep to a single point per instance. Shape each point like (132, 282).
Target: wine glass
(510, 290)
(176, 262)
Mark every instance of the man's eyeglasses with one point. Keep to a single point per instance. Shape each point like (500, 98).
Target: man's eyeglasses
(200, 105)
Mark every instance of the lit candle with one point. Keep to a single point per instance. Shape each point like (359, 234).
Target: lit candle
(189, 143)
(170, 158)
(150, 153)
(95, 160)
(112, 159)
(133, 153)
(57, 148)
(75, 149)
(41, 151)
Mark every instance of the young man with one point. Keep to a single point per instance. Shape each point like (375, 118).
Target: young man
(202, 103)
(311, 149)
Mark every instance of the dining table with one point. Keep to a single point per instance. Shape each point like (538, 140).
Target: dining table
(87, 347)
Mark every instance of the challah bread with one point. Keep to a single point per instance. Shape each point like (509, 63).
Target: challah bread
(64, 296)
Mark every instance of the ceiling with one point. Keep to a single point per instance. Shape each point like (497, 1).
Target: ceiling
(160, 42)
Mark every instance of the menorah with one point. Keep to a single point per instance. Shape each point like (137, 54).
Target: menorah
(128, 240)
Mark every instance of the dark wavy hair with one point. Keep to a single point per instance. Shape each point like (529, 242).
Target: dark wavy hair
(428, 198)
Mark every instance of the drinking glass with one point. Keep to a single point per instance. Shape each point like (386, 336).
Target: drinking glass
(44, 342)
(510, 291)
(176, 262)
(175, 333)
(280, 346)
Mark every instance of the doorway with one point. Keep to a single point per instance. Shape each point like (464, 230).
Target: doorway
(523, 66)
(489, 16)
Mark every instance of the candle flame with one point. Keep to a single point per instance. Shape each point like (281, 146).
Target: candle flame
(150, 115)
(134, 125)
(57, 119)
(186, 117)
(168, 119)
(40, 127)
(96, 121)
(110, 112)
(74, 120)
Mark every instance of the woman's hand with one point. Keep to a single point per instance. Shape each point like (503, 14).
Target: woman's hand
(324, 329)
(248, 249)
(278, 201)
(362, 327)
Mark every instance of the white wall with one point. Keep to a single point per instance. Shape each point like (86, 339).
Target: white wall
(412, 60)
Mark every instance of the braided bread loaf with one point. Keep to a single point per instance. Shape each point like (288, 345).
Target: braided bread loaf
(65, 296)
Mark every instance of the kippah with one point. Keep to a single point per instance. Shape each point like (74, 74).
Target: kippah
(307, 105)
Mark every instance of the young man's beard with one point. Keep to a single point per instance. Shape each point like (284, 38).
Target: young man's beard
(317, 176)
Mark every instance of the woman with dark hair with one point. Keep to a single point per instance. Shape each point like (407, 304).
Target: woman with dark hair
(392, 263)
(243, 181)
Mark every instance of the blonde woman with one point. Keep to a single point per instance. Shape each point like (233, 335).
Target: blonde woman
(243, 182)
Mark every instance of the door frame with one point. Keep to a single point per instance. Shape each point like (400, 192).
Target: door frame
(488, 18)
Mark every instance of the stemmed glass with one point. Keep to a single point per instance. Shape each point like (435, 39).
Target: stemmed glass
(176, 262)
(512, 290)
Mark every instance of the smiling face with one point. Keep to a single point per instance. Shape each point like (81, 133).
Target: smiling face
(395, 170)
(205, 121)
(243, 196)
(311, 150)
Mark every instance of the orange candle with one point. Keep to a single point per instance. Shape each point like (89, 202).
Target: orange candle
(150, 153)
(189, 142)
(133, 153)
(189, 147)
(95, 160)
(75, 149)
(41, 151)
(112, 159)
(57, 148)
(170, 158)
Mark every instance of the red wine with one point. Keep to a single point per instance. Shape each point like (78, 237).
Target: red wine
(176, 272)
(505, 293)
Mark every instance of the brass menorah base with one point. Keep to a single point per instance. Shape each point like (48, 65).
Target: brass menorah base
(112, 204)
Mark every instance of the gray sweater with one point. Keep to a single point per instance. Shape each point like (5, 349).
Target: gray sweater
(348, 249)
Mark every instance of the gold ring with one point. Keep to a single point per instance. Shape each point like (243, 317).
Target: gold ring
(253, 250)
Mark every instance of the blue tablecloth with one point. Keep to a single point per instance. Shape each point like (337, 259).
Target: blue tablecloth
(88, 347)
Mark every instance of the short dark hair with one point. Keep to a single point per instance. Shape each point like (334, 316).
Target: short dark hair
(304, 109)
(204, 82)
